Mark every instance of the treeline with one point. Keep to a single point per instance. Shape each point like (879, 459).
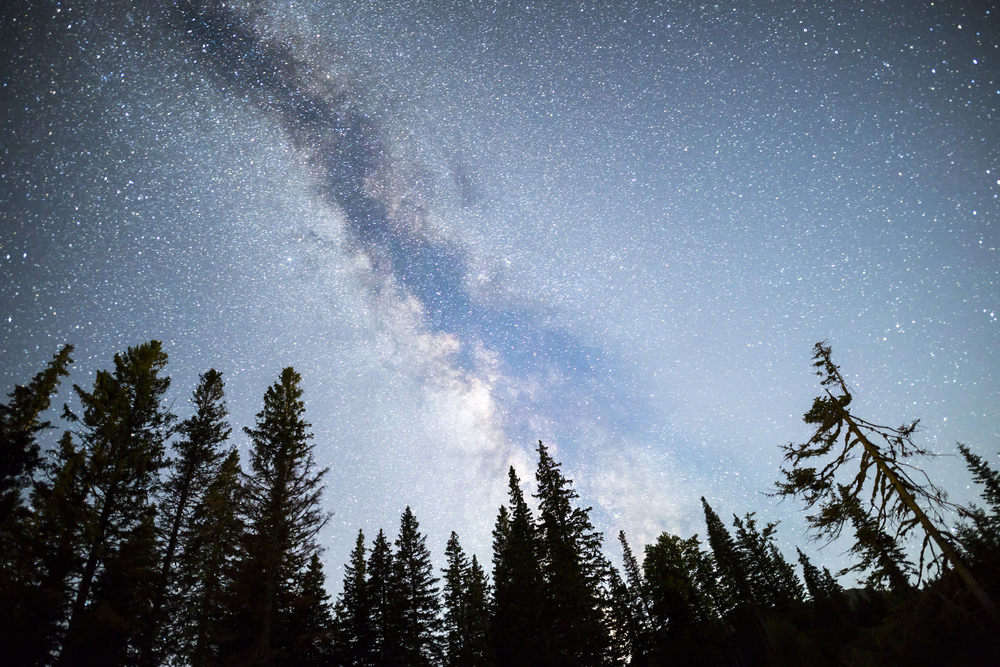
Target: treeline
(115, 553)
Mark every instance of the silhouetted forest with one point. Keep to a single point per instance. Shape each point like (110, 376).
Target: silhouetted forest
(141, 538)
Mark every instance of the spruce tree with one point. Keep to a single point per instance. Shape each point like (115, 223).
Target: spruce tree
(455, 598)
(729, 563)
(879, 554)
(283, 514)
(739, 602)
(979, 534)
(54, 544)
(901, 501)
(417, 603)
(24, 629)
(573, 572)
(634, 606)
(122, 433)
(382, 601)
(20, 425)
(199, 455)
(466, 616)
(353, 621)
(310, 620)
(829, 601)
(204, 621)
(681, 589)
(516, 632)
(772, 579)
(478, 616)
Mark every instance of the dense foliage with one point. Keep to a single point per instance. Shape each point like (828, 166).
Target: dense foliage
(139, 539)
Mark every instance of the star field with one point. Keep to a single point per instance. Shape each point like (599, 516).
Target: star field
(617, 227)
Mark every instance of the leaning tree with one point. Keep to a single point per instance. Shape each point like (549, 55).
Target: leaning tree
(884, 474)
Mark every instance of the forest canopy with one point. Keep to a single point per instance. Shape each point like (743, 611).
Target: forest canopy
(142, 538)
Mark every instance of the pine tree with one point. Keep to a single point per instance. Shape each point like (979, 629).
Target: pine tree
(123, 433)
(478, 614)
(419, 641)
(680, 584)
(979, 534)
(883, 475)
(516, 628)
(829, 600)
(621, 623)
(20, 425)
(283, 516)
(455, 594)
(741, 605)
(23, 628)
(879, 553)
(354, 632)
(382, 598)
(204, 622)
(55, 541)
(466, 617)
(771, 578)
(631, 596)
(574, 572)
(728, 560)
(310, 620)
(200, 453)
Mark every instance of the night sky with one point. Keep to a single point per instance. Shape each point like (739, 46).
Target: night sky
(616, 227)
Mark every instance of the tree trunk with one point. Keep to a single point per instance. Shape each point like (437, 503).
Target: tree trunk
(948, 551)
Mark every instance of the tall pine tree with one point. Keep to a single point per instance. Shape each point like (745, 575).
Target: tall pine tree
(383, 603)
(771, 578)
(212, 543)
(199, 455)
(573, 572)
(353, 621)
(416, 595)
(283, 516)
(23, 628)
(516, 630)
(466, 617)
(122, 433)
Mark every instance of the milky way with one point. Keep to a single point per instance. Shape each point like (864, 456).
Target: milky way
(619, 228)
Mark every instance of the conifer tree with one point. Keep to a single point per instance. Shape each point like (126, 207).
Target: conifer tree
(123, 433)
(621, 624)
(466, 617)
(310, 620)
(204, 620)
(283, 515)
(456, 613)
(23, 606)
(573, 571)
(382, 598)
(199, 455)
(517, 622)
(883, 475)
(634, 607)
(478, 615)
(418, 640)
(728, 560)
(680, 580)
(20, 425)
(740, 605)
(980, 533)
(879, 553)
(55, 540)
(829, 600)
(353, 621)
(771, 578)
